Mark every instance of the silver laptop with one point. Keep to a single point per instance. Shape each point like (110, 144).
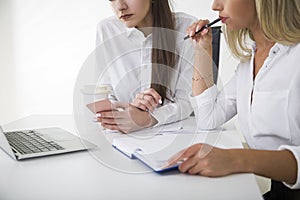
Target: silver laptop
(41, 142)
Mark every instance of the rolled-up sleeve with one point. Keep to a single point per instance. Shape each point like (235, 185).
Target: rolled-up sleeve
(213, 107)
(203, 106)
(181, 107)
(296, 152)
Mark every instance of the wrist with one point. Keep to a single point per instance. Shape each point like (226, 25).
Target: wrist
(203, 48)
(201, 77)
(152, 121)
(240, 161)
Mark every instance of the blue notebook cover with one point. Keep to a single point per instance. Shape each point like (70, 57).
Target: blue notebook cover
(151, 160)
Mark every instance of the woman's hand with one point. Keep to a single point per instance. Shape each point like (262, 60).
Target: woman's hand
(125, 118)
(205, 160)
(147, 100)
(203, 39)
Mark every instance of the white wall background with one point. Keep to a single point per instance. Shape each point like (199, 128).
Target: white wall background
(44, 43)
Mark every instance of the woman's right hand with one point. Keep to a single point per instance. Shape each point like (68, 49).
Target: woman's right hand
(203, 39)
(147, 100)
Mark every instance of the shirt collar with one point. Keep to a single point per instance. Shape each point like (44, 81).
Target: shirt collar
(280, 47)
(277, 48)
(131, 32)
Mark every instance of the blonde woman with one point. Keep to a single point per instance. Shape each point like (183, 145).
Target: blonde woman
(264, 92)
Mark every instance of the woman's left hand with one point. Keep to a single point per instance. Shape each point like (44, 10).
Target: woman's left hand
(147, 100)
(205, 160)
(126, 118)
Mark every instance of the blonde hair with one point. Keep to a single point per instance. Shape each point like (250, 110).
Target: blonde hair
(279, 21)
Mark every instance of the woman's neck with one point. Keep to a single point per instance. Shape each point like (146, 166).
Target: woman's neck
(145, 26)
(263, 46)
(145, 30)
(262, 43)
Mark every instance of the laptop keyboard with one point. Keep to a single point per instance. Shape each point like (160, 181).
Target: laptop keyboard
(27, 142)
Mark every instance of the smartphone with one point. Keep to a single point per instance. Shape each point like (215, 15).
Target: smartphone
(100, 106)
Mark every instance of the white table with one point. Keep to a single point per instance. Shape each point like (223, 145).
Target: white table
(83, 175)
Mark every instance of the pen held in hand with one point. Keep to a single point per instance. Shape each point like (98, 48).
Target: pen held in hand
(204, 27)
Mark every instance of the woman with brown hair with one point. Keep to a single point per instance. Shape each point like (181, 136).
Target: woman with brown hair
(149, 71)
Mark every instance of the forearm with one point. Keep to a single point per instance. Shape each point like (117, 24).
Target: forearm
(277, 165)
(203, 72)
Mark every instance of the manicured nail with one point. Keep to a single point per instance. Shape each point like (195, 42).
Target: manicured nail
(98, 114)
(160, 101)
(191, 34)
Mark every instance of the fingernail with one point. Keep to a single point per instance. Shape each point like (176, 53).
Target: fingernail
(95, 119)
(120, 109)
(160, 101)
(165, 165)
(98, 114)
(191, 34)
(197, 29)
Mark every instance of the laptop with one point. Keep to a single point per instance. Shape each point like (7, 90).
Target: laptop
(26, 144)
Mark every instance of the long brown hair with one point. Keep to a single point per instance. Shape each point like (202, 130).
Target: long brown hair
(163, 46)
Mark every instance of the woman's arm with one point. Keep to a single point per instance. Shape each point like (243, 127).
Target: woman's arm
(277, 165)
(212, 108)
(180, 84)
(210, 161)
(180, 109)
(203, 73)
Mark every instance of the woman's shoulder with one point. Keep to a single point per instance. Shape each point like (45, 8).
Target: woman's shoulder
(108, 28)
(296, 47)
(110, 24)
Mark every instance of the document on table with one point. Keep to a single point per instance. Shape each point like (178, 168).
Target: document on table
(155, 151)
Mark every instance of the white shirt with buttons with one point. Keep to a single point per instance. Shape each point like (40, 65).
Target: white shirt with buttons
(125, 57)
(271, 120)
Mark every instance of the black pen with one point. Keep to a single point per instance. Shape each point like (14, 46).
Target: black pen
(204, 27)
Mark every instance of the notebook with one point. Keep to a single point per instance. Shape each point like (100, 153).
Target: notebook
(26, 144)
(154, 152)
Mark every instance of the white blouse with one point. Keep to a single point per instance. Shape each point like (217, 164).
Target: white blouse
(272, 119)
(128, 69)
